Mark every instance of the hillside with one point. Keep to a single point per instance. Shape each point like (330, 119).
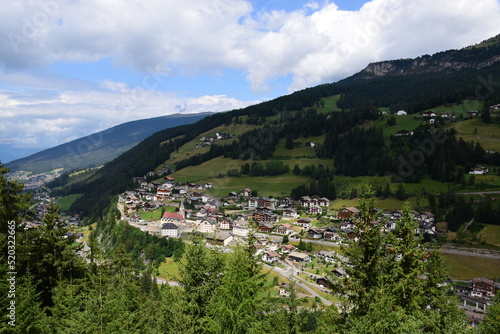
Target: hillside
(100, 147)
(336, 115)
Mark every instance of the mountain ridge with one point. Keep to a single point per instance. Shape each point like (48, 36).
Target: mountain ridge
(474, 57)
(100, 147)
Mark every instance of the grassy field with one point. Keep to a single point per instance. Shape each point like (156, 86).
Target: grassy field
(402, 123)
(318, 247)
(169, 269)
(467, 267)
(491, 234)
(330, 104)
(459, 109)
(189, 149)
(488, 135)
(302, 151)
(65, 202)
(346, 183)
(387, 204)
(85, 230)
(265, 185)
(156, 214)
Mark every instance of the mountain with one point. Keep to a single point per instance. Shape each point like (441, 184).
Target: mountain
(474, 57)
(331, 114)
(100, 147)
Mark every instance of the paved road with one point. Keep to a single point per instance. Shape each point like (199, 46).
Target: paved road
(160, 280)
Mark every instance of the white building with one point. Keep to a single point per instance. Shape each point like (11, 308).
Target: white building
(240, 228)
(169, 230)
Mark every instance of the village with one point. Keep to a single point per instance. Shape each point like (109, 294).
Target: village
(274, 222)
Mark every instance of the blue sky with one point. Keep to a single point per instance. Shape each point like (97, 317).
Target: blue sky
(69, 68)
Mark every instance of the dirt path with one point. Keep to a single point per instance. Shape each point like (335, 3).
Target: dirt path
(477, 252)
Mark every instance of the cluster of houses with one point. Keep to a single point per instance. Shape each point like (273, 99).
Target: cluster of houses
(348, 216)
(33, 181)
(430, 116)
(267, 215)
(209, 140)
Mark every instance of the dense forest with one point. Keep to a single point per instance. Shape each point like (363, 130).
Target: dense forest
(56, 291)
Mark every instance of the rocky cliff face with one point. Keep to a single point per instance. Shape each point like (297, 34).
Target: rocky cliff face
(454, 60)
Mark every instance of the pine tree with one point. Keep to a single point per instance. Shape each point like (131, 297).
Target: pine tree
(200, 274)
(491, 323)
(241, 301)
(393, 277)
(13, 203)
(48, 253)
(30, 316)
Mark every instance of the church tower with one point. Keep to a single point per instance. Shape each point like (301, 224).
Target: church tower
(182, 210)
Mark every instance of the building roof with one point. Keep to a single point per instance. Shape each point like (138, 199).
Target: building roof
(172, 215)
(272, 253)
(298, 255)
(352, 209)
(169, 226)
(482, 280)
(221, 236)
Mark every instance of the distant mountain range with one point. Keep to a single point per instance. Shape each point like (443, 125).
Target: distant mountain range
(101, 147)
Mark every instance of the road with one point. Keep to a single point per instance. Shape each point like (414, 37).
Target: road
(303, 283)
(478, 193)
(477, 252)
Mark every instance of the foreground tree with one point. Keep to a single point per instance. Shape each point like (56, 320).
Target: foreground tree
(242, 300)
(492, 322)
(393, 283)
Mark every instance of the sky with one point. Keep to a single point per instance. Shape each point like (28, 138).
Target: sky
(69, 68)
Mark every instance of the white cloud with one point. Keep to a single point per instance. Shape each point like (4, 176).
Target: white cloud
(46, 121)
(315, 44)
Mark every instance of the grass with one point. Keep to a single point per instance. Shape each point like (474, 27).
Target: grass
(305, 152)
(169, 270)
(265, 185)
(318, 247)
(490, 234)
(85, 230)
(330, 104)
(467, 267)
(65, 202)
(488, 135)
(459, 109)
(156, 214)
(189, 149)
(402, 123)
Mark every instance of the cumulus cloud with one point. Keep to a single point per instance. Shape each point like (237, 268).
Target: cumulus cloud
(314, 44)
(46, 121)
